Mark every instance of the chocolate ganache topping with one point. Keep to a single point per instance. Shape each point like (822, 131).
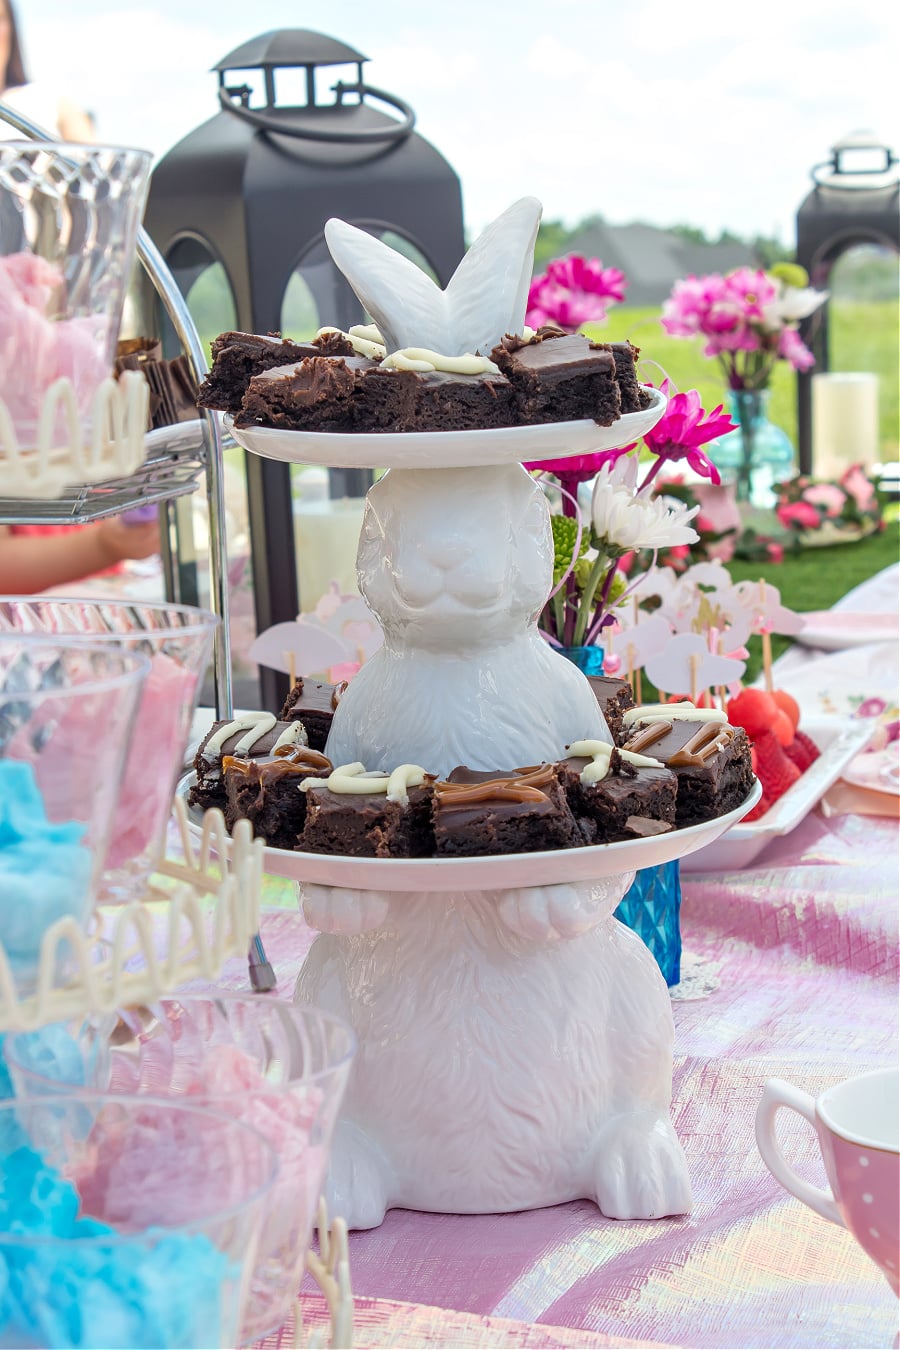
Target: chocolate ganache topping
(525, 787)
(706, 741)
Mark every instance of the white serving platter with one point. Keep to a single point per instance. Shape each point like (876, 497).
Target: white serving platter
(840, 740)
(448, 449)
(495, 872)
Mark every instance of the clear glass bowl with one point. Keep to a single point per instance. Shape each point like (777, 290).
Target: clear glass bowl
(69, 217)
(127, 1221)
(279, 1067)
(67, 715)
(177, 639)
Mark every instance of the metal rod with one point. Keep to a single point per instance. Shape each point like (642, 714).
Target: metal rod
(167, 288)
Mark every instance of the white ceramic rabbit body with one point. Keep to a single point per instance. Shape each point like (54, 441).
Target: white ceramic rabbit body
(457, 564)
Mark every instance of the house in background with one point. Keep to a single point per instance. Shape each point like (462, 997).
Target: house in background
(653, 259)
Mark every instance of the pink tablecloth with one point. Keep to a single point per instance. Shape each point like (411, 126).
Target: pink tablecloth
(790, 970)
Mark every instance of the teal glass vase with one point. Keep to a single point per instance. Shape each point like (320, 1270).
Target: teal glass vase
(757, 454)
(652, 908)
(588, 659)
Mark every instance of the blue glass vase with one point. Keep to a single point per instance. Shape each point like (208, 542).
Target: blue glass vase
(652, 908)
(588, 659)
(757, 454)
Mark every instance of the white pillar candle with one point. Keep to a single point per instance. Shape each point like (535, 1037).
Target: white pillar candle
(844, 421)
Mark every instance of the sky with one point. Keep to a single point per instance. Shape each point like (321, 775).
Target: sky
(703, 112)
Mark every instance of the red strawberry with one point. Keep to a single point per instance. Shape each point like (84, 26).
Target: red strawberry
(752, 709)
(802, 751)
(783, 728)
(760, 809)
(773, 768)
(788, 704)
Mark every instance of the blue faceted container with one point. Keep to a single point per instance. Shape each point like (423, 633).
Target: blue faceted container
(652, 909)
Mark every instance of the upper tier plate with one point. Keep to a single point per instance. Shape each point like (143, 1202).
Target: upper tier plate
(497, 871)
(447, 449)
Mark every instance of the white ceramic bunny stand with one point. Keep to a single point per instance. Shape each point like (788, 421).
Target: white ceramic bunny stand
(515, 1044)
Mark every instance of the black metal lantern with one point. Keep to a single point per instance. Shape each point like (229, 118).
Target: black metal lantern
(250, 191)
(854, 201)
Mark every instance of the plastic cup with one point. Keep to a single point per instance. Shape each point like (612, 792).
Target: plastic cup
(69, 216)
(279, 1067)
(67, 714)
(127, 1221)
(177, 640)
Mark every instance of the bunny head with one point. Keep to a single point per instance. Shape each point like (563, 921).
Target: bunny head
(466, 564)
(485, 297)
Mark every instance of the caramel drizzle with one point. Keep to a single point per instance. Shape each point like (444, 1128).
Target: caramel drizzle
(524, 788)
(289, 759)
(707, 741)
(337, 693)
(648, 735)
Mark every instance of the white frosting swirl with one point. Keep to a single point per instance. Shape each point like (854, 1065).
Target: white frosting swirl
(360, 339)
(600, 754)
(356, 779)
(423, 359)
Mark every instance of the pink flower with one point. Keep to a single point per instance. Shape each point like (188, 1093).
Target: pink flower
(578, 468)
(798, 514)
(573, 291)
(861, 488)
(684, 427)
(826, 495)
(792, 348)
(775, 552)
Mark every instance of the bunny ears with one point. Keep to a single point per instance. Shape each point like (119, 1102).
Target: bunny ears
(485, 297)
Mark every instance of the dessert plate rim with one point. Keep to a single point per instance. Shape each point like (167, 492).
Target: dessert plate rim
(505, 871)
(448, 449)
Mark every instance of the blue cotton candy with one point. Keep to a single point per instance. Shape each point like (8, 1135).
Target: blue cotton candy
(158, 1290)
(45, 870)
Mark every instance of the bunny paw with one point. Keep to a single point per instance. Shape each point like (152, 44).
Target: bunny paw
(548, 913)
(334, 909)
(356, 1189)
(639, 1168)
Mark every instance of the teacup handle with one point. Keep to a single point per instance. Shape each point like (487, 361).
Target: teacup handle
(776, 1094)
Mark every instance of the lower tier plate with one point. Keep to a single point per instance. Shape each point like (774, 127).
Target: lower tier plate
(506, 871)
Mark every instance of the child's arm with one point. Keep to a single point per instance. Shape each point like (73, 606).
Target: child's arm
(34, 562)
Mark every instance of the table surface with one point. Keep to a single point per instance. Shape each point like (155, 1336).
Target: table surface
(790, 970)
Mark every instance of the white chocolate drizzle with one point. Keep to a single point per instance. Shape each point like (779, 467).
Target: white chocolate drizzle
(361, 338)
(256, 725)
(356, 779)
(600, 754)
(673, 715)
(423, 359)
(646, 710)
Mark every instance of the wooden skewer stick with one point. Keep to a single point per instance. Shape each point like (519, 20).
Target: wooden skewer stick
(638, 691)
(631, 664)
(694, 659)
(292, 667)
(766, 641)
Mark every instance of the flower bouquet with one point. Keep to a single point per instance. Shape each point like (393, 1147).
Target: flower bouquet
(749, 318)
(821, 513)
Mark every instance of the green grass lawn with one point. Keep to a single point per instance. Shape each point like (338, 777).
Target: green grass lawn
(865, 335)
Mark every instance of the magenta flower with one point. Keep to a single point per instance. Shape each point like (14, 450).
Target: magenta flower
(792, 348)
(684, 427)
(573, 291)
(860, 487)
(579, 468)
(798, 515)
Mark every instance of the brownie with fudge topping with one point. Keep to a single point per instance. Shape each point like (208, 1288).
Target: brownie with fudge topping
(368, 825)
(710, 760)
(560, 377)
(267, 792)
(312, 704)
(615, 698)
(630, 802)
(634, 397)
(504, 811)
(237, 357)
(237, 738)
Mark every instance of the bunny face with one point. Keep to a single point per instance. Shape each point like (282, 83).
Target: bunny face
(468, 561)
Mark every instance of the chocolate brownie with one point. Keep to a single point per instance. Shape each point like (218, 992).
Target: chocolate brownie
(625, 355)
(615, 698)
(369, 824)
(267, 792)
(357, 394)
(505, 811)
(560, 377)
(237, 357)
(613, 798)
(250, 736)
(710, 759)
(312, 705)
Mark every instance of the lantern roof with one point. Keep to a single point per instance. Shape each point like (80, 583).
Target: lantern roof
(289, 47)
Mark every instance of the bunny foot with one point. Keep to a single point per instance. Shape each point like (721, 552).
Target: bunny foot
(549, 913)
(639, 1169)
(334, 909)
(356, 1190)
